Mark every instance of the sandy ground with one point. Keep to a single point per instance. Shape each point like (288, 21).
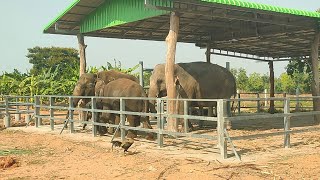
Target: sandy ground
(38, 153)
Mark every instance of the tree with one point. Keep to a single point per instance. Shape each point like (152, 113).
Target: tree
(242, 79)
(300, 72)
(287, 84)
(44, 58)
(256, 83)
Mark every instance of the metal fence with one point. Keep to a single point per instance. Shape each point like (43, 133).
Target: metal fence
(56, 108)
(17, 106)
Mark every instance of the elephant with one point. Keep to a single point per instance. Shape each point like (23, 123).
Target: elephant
(123, 87)
(105, 77)
(195, 80)
(84, 87)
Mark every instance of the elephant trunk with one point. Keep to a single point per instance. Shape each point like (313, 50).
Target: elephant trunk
(152, 94)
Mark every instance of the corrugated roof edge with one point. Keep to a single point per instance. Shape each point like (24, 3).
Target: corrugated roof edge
(75, 2)
(265, 7)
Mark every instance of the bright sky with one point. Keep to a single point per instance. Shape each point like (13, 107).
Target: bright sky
(22, 23)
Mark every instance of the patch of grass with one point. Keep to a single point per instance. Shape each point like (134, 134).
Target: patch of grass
(7, 152)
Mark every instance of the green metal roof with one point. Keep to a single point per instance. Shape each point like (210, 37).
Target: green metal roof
(265, 7)
(141, 11)
(227, 25)
(117, 12)
(74, 3)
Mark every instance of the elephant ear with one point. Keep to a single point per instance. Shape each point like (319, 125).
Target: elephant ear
(177, 84)
(112, 79)
(176, 81)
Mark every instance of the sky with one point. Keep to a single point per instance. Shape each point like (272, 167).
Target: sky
(22, 24)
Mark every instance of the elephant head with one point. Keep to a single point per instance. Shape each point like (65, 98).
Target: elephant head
(158, 86)
(84, 87)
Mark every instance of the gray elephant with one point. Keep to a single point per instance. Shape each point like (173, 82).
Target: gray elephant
(105, 77)
(84, 87)
(195, 80)
(123, 88)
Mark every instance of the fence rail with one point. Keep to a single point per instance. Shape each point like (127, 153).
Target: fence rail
(47, 107)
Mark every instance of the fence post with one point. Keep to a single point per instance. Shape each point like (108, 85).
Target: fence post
(287, 123)
(185, 113)
(239, 103)
(7, 115)
(258, 103)
(37, 111)
(297, 100)
(17, 116)
(71, 119)
(141, 74)
(27, 116)
(265, 96)
(94, 115)
(159, 123)
(122, 118)
(222, 144)
(51, 101)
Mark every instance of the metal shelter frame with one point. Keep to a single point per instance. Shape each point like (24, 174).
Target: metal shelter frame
(253, 30)
(242, 29)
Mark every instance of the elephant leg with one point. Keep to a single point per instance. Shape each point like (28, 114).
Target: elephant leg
(116, 122)
(200, 113)
(87, 117)
(146, 124)
(134, 121)
(103, 118)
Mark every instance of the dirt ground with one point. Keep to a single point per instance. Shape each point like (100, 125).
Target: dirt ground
(38, 153)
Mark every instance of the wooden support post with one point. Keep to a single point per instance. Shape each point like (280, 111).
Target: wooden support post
(171, 41)
(315, 71)
(82, 53)
(208, 53)
(271, 79)
(83, 64)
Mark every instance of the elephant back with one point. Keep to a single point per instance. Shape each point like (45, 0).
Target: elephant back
(211, 80)
(123, 87)
(108, 76)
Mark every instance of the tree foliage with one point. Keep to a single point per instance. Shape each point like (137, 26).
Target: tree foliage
(45, 58)
(55, 71)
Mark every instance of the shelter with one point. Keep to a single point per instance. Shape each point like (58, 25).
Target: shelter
(227, 27)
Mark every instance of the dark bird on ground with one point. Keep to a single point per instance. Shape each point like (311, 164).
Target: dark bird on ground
(125, 145)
